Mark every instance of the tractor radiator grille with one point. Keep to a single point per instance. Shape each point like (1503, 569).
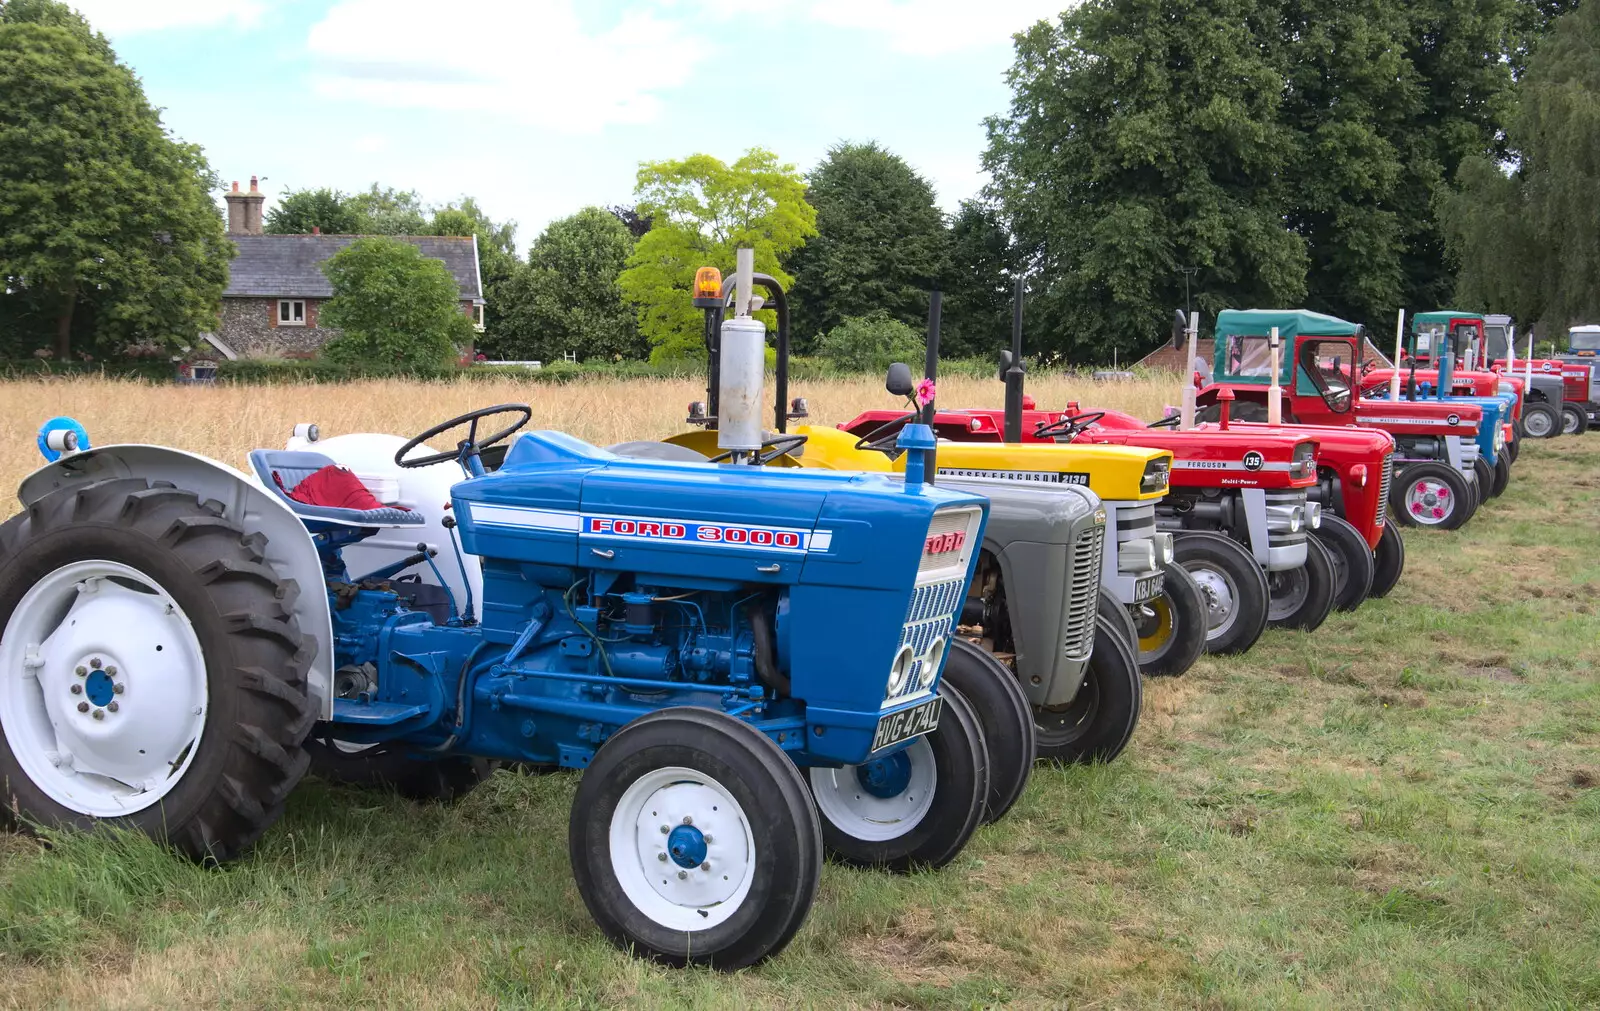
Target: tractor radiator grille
(1278, 535)
(1077, 639)
(932, 615)
(1383, 487)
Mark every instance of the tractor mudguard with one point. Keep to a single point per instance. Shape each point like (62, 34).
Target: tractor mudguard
(252, 508)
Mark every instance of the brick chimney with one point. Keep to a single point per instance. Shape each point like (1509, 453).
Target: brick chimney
(244, 209)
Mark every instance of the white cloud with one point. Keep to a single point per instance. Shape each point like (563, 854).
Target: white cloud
(126, 17)
(937, 27)
(534, 61)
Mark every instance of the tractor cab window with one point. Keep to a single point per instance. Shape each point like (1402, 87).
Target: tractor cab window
(1249, 355)
(1329, 366)
(1581, 340)
(1428, 342)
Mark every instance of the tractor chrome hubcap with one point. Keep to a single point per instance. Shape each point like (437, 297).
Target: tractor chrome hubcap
(1221, 598)
(102, 688)
(1429, 502)
(682, 848)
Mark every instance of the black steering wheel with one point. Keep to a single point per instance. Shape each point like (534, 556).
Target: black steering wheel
(877, 440)
(470, 446)
(1172, 421)
(1067, 429)
(771, 449)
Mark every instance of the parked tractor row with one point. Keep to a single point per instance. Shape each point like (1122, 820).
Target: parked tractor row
(760, 646)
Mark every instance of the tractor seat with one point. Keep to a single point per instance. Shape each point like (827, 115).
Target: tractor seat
(290, 467)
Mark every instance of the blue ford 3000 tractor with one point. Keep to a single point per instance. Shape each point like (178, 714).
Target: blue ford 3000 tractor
(725, 651)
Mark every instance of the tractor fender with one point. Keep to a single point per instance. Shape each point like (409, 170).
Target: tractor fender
(252, 508)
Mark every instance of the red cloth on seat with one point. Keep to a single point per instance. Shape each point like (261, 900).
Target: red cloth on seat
(335, 487)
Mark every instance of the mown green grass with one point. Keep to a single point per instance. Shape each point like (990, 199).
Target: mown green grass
(1401, 809)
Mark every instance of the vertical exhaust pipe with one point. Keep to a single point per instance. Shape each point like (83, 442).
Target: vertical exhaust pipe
(1399, 345)
(1013, 377)
(1192, 333)
(742, 375)
(1274, 391)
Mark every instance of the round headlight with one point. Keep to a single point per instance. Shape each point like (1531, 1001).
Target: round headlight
(900, 668)
(1297, 519)
(932, 658)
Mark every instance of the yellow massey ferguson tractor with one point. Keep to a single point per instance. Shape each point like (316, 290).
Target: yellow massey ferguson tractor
(1165, 612)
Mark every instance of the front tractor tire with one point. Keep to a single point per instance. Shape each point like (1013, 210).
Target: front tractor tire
(1573, 420)
(1432, 495)
(692, 840)
(152, 674)
(1502, 475)
(1171, 629)
(918, 807)
(1233, 585)
(1353, 563)
(1097, 724)
(1303, 598)
(1388, 561)
(1005, 715)
(1541, 420)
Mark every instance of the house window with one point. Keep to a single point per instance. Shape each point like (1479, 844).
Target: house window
(477, 317)
(291, 312)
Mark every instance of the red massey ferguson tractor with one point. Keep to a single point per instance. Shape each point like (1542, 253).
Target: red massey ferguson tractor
(1237, 501)
(1435, 459)
(1557, 391)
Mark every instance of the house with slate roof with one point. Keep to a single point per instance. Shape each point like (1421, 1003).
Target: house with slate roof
(276, 286)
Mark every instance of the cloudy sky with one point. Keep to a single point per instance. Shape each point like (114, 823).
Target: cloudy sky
(538, 107)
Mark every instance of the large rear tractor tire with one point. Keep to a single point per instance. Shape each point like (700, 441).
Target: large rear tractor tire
(1432, 495)
(1233, 585)
(1388, 561)
(1353, 564)
(693, 840)
(1303, 598)
(1172, 627)
(152, 674)
(1096, 725)
(398, 769)
(1573, 420)
(1541, 420)
(1006, 717)
(916, 808)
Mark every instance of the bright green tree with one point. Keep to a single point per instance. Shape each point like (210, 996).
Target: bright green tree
(870, 343)
(388, 211)
(108, 231)
(701, 210)
(568, 299)
(393, 306)
(498, 266)
(1528, 240)
(1144, 138)
(299, 212)
(881, 242)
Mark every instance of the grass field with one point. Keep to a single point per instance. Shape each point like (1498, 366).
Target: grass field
(1401, 809)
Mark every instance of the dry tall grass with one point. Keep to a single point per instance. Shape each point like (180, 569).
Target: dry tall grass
(226, 422)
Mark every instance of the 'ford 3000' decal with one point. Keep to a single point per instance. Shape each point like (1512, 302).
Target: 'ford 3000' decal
(655, 528)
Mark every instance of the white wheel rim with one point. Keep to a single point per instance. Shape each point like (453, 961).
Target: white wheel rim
(675, 896)
(851, 807)
(1286, 592)
(119, 737)
(1430, 502)
(1219, 593)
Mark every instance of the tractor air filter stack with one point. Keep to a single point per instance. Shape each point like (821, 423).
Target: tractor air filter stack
(743, 372)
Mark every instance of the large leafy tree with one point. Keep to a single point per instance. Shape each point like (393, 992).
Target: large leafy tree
(701, 210)
(1527, 233)
(392, 305)
(978, 283)
(881, 242)
(567, 298)
(498, 264)
(1144, 138)
(300, 212)
(107, 227)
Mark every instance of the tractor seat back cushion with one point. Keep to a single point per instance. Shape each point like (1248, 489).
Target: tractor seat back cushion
(318, 489)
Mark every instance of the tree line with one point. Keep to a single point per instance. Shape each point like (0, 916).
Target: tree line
(1350, 156)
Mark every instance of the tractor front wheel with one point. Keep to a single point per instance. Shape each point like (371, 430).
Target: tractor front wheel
(1388, 561)
(692, 839)
(1573, 420)
(1483, 470)
(915, 808)
(1540, 420)
(1502, 475)
(1432, 495)
(152, 673)
(1353, 564)
(1303, 598)
(1096, 725)
(1005, 715)
(1172, 627)
(1234, 588)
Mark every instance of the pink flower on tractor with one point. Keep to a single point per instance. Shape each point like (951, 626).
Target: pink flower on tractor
(925, 393)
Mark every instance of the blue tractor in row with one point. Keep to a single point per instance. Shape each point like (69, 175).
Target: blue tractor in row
(744, 663)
